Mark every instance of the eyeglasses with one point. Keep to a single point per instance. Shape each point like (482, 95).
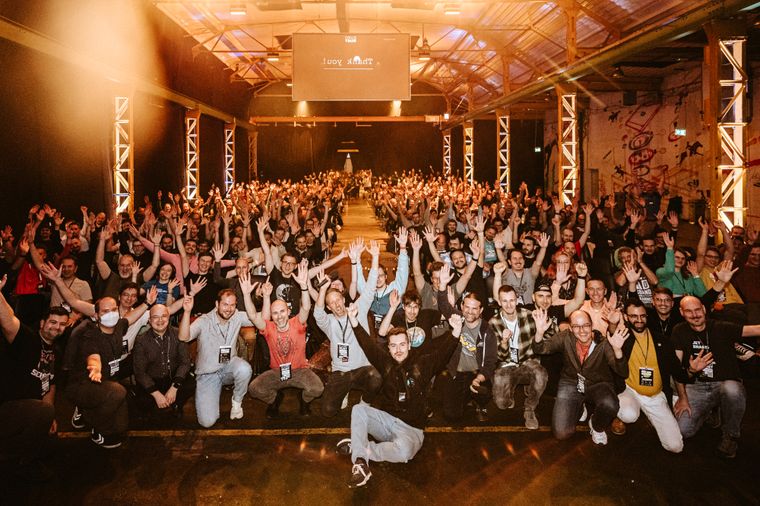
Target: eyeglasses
(585, 326)
(714, 257)
(636, 316)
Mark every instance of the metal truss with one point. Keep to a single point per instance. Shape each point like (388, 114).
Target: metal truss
(253, 155)
(123, 166)
(568, 160)
(731, 130)
(447, 153)
(469, 165)
(192, 152)
(229, 157)
(503, 140)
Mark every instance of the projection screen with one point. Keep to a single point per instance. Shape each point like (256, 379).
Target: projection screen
(339, 66)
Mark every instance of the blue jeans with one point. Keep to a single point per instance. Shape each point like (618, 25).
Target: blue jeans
(209, 389)
(396, 440)
(706, 395)
(600, 399)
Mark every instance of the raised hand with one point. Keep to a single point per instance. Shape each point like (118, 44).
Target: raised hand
(429, 234)
(617, 339)
(415, 240)
(702, 360)
(218, 252)
(724, 272)
(156, 237)
(541, 318)
(499, 268)
(197, 286)
(475, 248)
(302, 276)
(48, 270)
(445, 275)
(352, 312)
(691, 266)
(152, 295)
(673, 219)
(669, 242)
(135, 268)
(173, 283)
(245, 283)
(456, 322)
(632, 274)
(635, 218)
(588, 208)
(543, 241)
(395, 300)
(581, 269)
(267, 288)
(187, 302)
(401, 237)
(562, 273)
(374, 249)
(480, 224)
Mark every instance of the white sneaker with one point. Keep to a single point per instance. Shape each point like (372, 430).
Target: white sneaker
(584, 415)
(344, 404)
(599, 438)
(237, 410)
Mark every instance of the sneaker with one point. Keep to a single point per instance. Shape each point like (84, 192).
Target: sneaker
(108, 442)
(344, 404)
(481, 414)
(360, 474)
(237, 410)
(599, 438)
(531, 422)
(76, 419)
(343, 447)
(584, 415)
(728, 446)
(617, 427)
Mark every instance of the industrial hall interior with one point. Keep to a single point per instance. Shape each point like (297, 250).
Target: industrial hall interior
(449, 252)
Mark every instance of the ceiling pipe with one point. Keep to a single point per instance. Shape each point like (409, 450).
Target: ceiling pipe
(644, 39)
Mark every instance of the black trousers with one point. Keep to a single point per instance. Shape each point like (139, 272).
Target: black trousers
(457, 393)
(24, 428)
(103, 405)
(366, 379)
(146, 402)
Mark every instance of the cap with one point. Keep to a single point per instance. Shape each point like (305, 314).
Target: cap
(543, 287)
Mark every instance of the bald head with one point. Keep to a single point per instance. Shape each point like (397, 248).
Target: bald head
(280, 313)
(580, 323)
(693, 311)
(159, 318)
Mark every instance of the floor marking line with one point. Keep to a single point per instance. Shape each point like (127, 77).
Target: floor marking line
(306, 431)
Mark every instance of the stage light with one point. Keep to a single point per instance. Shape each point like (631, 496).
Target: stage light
(238, 10)
(273, 56)
(451, 10)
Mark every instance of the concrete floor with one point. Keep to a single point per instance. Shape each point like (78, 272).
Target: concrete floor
(292, 460)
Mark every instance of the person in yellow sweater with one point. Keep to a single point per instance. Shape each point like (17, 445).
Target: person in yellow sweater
(650, 364)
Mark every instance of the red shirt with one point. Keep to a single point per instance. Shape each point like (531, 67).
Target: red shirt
(29, 279)
(287, 346)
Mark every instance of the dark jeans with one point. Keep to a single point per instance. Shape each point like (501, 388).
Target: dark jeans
(366, 379)
(457, 393)
(24, 428)
(529, 373)
(146, 402)
(600, 399)
(102, 405)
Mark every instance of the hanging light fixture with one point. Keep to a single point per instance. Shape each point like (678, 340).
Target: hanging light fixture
(452, 10)
(424, 52)
(238, 10)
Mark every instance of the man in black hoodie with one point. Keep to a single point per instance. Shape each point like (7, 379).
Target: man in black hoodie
(398, 413)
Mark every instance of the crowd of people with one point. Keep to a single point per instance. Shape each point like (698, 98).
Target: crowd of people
(131, 315)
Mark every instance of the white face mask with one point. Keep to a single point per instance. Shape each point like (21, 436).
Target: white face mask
(110, 320)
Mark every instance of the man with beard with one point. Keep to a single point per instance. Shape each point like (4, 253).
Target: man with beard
(418, 322)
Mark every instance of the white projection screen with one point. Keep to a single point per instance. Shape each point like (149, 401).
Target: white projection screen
(340, 66)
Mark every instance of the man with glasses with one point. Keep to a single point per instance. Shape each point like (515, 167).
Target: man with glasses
(647, 388)
(590, 366)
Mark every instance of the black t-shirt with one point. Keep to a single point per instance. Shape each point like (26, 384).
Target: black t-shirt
(286, 289)
(110, 347)
(27, 366)
(205, 300)
(718, 337)
(420, 331)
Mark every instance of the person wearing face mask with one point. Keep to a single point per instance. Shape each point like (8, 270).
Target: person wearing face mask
(396, 417)
(286, 337)
(350, 367)
(96, 366)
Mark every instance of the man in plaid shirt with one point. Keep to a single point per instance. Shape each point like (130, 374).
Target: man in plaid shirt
(515, 328)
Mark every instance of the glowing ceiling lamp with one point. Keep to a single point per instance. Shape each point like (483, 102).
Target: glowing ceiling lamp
(238, 10)
(424, 52)
(452, 10)
(273, 56)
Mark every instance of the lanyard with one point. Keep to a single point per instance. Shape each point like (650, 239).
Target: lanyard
(646, 354)
(226, 334)
(343, 330)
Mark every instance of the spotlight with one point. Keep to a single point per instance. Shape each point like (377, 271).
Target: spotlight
(424, 53)
(273, 56)
(238, 10)
(451, 10)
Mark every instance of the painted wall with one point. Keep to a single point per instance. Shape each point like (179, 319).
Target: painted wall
(625, 144)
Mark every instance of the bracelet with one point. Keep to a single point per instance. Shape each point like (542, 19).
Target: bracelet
(354, 263)
(582, 277)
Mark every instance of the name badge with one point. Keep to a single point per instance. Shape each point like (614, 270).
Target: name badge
(285, 373)
(402, 396)
(520, 301)
(124, 347)
(45, 383)
(646, 376)
(708, 372)
(114, 367)
(513, 356)
(225, 354)
(581, 386)
(343, 352)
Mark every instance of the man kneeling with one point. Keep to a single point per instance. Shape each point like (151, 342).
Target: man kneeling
(399, 411)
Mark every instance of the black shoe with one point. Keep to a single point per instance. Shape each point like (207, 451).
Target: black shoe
(108, 442)
(343, 447)
(273, 410)
(76, 419)
(360, 474)
(305, 409)
(481, 414)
